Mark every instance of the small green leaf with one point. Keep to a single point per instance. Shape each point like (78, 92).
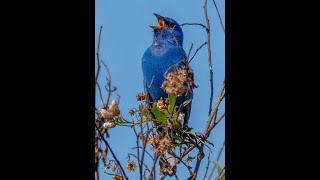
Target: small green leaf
(177, 137)
(171, 100)
(220, 171)
(141, 108)
(165, 112)
(218, 168)
(158, 114)
(174, 116)
(223, 178)
(176, 126)
(174, 145)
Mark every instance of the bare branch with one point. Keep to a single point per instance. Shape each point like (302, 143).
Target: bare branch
(209, 54)
(154, 165)
(98, 59)
(196, 24)
(114, 156)
(108, 83)
(99, 66)
(197, 51)
(189, 51)
(215, 5)
(207, 167)
(215, 164)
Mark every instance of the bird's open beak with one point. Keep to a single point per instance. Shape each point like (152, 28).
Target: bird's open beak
(160, 22)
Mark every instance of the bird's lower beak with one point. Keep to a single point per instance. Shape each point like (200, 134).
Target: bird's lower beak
(158, 26)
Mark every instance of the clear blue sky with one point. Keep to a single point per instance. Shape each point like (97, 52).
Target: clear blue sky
(125, 37)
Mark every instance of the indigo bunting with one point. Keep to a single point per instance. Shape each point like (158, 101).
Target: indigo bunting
(165, 51)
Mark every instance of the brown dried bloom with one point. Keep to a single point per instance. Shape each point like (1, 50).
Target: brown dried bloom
(106, 166)
(106, 114)
(189, 159)
(141, 96)
(178, 81)
(161, 104)
(131, 166)
(131, 112)
(166, 169)
(109, 124)
(116, 177)
(162, 145)
(151, 141)
(114, 167)
(113, 107)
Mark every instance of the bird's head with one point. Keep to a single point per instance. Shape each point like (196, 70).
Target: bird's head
(167, 30)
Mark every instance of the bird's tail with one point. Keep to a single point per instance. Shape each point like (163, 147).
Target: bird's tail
(167, 163)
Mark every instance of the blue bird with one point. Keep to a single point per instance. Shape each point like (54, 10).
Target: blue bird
(165, 51)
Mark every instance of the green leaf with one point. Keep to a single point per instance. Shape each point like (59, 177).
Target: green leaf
(141, 108)
(158, 114)
(220, 171)
(192, 133)
(165, 112)
(174, 145)
(171, 102)
(219, 168)
(176, 126)
(177, 138)
(223, 178)
(174, 116)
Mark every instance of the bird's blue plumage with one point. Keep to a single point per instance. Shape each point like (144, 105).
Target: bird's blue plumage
(165, 51)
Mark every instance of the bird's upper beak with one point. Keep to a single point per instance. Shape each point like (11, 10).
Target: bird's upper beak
(160, 24)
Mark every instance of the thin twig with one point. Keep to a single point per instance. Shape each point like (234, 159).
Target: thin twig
(187, 166)
(207, 167)
(138, 152)
(98, 59)
(153, 166)
(215, 164)
(145, 151)
(114, 156)
(108, 83)
(208, 129)
(209, 54)
(99, 66)
(197, 51)
(219, 16)
(189, 51)
(198, 24)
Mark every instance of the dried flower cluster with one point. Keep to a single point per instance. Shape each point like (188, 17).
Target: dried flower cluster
(109, 124)
(113, 107)
(161, 104)
(178, 81)
(166, 168)
(131, 166)
(116, 177)
(141, 96)
(131, 112)
(162, 144)
(114, 167)
(151, 141)
(113, 110)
